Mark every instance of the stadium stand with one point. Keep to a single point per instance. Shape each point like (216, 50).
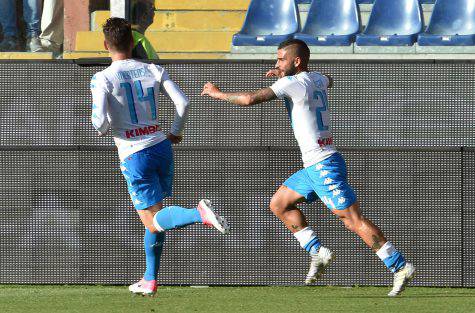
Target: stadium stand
(331, 23)
(268, 22)
(412, 51)
(392, 23)
(451, 24)
(181, 29)
(204, 29)
(26, 55)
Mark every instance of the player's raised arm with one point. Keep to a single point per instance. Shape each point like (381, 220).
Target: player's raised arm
(244, 98)
(174, 93)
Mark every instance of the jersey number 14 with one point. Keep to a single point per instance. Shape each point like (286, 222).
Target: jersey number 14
(150, 98)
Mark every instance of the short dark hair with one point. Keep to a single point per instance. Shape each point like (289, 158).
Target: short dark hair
(139, 8)
(118, 34)
(301, 48)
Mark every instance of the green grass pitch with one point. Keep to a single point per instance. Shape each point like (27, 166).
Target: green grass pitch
(91, 299)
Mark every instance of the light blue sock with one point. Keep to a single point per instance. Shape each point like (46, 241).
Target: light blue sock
(392, 258)
(395, 262)
(172, 217)
(153, 245)
(313, 245)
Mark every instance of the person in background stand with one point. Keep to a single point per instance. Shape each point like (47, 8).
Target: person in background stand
(8, 19)
(52, 29)
(143, 13)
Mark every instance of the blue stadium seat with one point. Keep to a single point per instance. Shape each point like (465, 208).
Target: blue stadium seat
(331, 23)
(452, 24)
(392, 23)
(268, 23)
(372, 1)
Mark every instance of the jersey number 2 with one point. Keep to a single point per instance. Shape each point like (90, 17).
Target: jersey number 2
(323, 97)
(150, 98)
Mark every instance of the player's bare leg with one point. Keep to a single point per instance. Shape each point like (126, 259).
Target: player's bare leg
(146, 216)
(374, 238)
(283, 205)
(363, 227)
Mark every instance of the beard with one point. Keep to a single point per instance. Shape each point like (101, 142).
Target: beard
(290, 71)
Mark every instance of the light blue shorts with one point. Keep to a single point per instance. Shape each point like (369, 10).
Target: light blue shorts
(326, 180)
(149, 174)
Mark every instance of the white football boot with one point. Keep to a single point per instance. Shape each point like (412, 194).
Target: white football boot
(402, 278)
(318, 263)
(144, 287)
(211, 218)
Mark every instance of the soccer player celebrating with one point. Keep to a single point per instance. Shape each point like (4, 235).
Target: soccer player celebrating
(324, 173)
(124, 101)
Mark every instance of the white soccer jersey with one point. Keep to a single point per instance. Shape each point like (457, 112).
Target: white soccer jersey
(124, 99)
(305, 97)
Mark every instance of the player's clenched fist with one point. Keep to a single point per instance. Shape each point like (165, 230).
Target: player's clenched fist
(211, 90)
(273, 73)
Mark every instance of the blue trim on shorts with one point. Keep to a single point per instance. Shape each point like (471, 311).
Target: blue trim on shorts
(326, 180)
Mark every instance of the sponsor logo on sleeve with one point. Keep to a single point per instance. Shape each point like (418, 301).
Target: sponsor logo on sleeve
(322, 142)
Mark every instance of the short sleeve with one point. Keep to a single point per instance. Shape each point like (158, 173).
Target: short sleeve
(325, 80)
(282, 87)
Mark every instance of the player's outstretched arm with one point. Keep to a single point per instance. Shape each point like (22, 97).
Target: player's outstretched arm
(245, 98)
